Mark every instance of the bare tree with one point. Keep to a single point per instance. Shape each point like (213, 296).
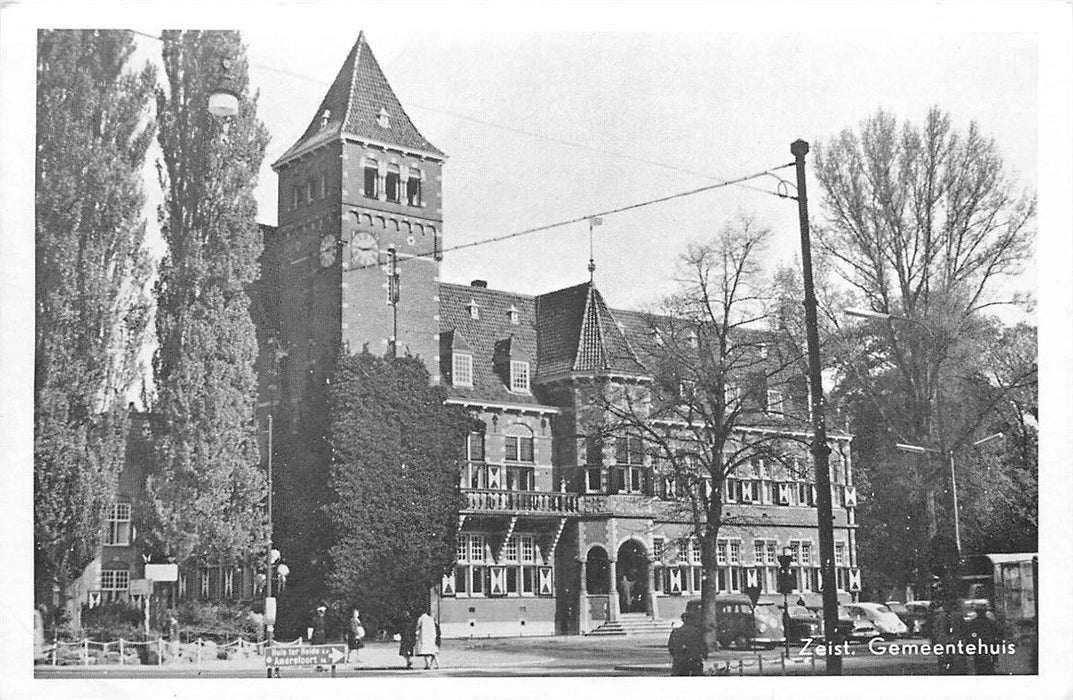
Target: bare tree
(923, 222)
(721, 392)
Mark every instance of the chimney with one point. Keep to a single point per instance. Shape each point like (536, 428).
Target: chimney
(482, 284)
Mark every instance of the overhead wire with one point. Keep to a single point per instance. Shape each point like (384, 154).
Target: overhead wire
(586, 217)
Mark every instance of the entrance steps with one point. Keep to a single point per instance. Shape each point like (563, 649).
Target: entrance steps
(632, 623)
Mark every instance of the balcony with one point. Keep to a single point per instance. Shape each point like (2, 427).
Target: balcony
(527, 502)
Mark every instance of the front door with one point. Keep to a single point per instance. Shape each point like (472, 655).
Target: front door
(633, 577)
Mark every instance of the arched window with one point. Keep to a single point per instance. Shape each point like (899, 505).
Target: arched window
(392, 183)
(518, 453)
(519, 443)
(372, 178)
(413, 187)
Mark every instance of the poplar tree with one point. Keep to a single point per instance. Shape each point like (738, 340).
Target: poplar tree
(93, 129)
(206, 490)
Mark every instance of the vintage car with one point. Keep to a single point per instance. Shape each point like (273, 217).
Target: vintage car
(858, 628)
(888, 624)
(741, 625)
(804, 624)
(916, 615)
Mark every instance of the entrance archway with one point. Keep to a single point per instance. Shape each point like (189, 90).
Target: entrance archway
(597, 572)
(633, 577)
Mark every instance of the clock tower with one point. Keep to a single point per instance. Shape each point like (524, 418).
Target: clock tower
(360, 230)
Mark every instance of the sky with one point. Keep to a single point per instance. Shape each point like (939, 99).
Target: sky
(543, 126)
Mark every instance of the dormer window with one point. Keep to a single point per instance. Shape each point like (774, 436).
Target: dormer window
(519, 376)
(512, 315)
(462, 369)
(383, 119)
(691, 338)
(774, 401)
(657, 337)
(474, 310)
(731, 394)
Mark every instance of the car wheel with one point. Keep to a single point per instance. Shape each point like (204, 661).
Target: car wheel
(741, 642)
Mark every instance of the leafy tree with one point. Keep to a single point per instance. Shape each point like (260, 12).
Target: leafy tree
(923, 222)
(206, 491)
(93, 129)
(394, 484)
(712, 363)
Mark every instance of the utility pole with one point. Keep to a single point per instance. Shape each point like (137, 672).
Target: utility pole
(820, 449)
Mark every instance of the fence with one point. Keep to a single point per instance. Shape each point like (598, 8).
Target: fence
(123, 652)
(771, 665)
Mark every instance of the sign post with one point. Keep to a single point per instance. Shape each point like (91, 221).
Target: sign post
(304, 655)
(144, 588)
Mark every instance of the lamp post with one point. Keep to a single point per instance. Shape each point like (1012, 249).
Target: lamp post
(948, 455)
(270, 601)
(935, 398)
(820, 448)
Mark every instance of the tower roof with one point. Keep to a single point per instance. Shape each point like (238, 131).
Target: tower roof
(361, 103)
(577, 332)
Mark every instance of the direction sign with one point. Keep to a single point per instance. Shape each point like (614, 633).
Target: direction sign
(305, 655)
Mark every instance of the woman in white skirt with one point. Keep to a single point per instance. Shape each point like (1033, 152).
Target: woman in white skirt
(426, 645)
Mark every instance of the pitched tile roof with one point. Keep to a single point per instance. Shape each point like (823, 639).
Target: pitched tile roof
(483, 334)
(568, 330)
(354, 101)
(578, 333)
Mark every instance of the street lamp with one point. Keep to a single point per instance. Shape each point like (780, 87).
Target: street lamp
(272, 554)
(949, 456)
(880, 316)
(223, 101)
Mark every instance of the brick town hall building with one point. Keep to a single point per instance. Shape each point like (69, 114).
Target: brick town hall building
(554, 523)
(549, 531)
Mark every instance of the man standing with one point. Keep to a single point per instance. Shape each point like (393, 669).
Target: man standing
(687, 647)
(983, 632)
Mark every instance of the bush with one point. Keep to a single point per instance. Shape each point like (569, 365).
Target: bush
(109, 622)
(223, 621)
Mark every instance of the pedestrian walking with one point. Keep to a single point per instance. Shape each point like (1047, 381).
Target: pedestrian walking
(687, 647)
(427, 640)
(983, 632)
(317, 634)
(355, 637)
(407, 639)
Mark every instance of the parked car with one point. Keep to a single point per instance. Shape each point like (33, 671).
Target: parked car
(858, 627)
(882, 617)
(742, 625)
(918, 617)
(803, 624)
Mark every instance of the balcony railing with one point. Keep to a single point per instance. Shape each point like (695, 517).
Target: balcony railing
(497, 501)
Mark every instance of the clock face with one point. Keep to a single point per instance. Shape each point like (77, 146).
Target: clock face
(327, 250)
(365, 249)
